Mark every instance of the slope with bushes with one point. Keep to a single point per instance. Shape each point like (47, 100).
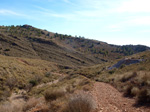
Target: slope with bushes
(27, 41)
(133, 79)
(51, 67)
(23, 73)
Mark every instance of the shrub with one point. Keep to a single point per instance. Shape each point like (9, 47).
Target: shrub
(144, 96)
(145, 80)
(84, 82)
(128, 92)
(112, 71)
(11, 82)
(28, 87)
(128, 77)
(70, 89)
(48, 74)
(135, 91)
(33, 82)
(31, 103)
(86, 88)
(7, 50)
(122, 66)
(80, 103)
(51, 95)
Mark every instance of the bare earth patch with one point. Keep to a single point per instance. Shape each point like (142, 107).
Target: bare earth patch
(111, 100)
(17, 99)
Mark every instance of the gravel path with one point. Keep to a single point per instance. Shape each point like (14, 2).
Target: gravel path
(111, 100)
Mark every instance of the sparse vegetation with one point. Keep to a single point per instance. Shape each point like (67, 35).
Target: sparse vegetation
(51, 95)
(18, 73)
(41, 62)
(80, 103)
(8, 108)
(144, 96)
(130, 79)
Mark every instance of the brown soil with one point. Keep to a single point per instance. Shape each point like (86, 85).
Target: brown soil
(109, 99)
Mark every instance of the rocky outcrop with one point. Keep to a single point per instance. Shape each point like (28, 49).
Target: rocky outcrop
(125, 62)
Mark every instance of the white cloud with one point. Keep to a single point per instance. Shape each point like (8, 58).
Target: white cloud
(5, 12)
(135, 21)
(134, 6)
(90, 13)
(65, 16)
(8, 12)
(41, 8)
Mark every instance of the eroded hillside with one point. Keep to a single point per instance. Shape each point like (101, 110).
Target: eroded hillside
(47, 71)
(29, 42)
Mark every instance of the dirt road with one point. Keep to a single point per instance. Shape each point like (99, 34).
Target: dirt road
(109, 99)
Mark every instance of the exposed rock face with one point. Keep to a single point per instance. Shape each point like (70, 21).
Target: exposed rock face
(125, 62)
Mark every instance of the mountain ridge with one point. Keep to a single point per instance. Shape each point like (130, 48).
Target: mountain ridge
(30, 42)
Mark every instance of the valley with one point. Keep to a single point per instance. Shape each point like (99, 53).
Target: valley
(42, 71)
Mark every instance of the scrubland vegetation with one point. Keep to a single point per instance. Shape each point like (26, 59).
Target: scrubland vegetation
(62, 96)
(53, 72)
(34, 76)
(133, 80)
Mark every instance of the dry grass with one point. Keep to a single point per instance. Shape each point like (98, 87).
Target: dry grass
(51, 95)
(135, 91)
(130, 79)
(36, 105)
(136, 85)
(128, 91)
(41, 108)
(7, 107)
(80, 103)
(68, 84)
(20, 73)
(31, 103)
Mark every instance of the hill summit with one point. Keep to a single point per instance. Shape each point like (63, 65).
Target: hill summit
(30, 42)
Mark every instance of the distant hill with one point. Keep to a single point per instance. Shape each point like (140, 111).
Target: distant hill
(29, 42)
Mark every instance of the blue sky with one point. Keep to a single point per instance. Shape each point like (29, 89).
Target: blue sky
(113, 21)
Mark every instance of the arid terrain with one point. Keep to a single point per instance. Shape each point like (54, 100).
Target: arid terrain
(42, 71)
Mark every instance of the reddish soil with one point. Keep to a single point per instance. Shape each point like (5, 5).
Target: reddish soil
(109, 99)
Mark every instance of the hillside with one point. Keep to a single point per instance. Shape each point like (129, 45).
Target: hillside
(45, 71)
(20, 73)
(26, 82)
(132, 77)
(29, 42)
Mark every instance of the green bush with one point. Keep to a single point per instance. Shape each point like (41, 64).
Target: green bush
(33, 82)
(111, 72)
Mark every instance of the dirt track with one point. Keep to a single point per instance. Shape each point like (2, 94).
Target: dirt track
(108, 99)
(111, 100)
